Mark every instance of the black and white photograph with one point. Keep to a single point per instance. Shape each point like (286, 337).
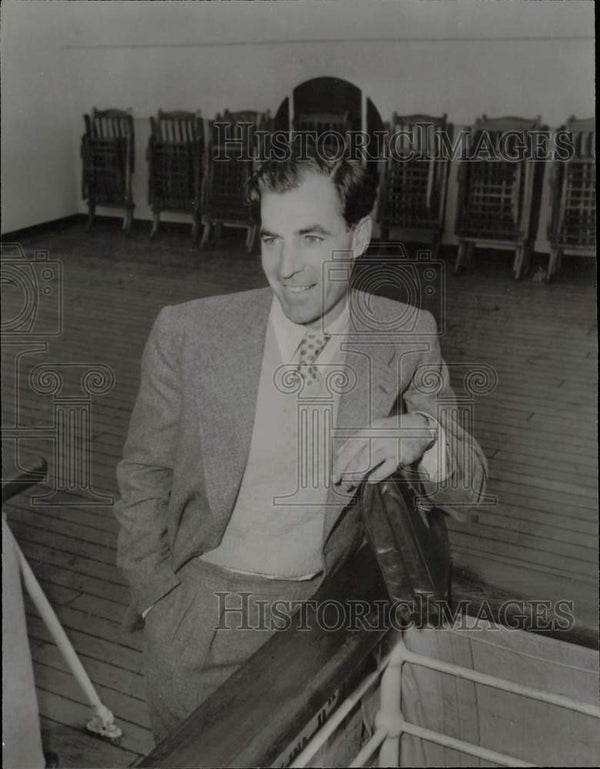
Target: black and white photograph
(299, 384)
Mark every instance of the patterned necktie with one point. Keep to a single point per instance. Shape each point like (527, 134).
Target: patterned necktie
(310, 348)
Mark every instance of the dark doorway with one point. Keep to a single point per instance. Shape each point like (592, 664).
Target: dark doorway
(330, 95)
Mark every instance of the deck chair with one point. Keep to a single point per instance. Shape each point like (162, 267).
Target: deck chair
(175, 157)
(230, 161)
(499, 199)
(108, 156)
(572, 227)
(412, 196)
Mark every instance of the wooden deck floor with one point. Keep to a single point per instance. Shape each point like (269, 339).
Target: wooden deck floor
(538, 429)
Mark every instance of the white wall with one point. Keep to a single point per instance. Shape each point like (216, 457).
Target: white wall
(463, 58)
(38, 180)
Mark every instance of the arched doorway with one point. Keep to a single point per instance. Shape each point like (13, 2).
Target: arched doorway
(330, 95)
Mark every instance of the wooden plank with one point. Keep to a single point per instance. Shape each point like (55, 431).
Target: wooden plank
(545, 427)
(108, 438)
(54, 521)
(68, 545)
(534, 559)
(68, 505)
(544, 404)
(127, 684)
(81, 583)
(580, 463)
(580, 478)
(35, 552)
(108, 651)
(584, 494)
(69, 513)
(544, 499)
(56, 594)
(522, 348)
(542, 545)
(553, 527)
(581, 370)
(505, 448)
(99, 607)
(508, 424)
(511, 495)
(72, 619)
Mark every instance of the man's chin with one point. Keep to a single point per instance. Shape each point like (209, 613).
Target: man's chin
(299, 315)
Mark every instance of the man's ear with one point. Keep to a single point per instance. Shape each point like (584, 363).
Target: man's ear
(362, 236)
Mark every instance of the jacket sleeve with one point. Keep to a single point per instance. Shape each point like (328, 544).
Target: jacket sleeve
(429, 392)
(145, 473)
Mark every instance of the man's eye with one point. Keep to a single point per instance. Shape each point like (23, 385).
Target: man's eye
(268, 242)
(313, 239)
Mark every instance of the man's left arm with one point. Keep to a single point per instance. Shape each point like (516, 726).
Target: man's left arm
(422, 431)
(453, 468)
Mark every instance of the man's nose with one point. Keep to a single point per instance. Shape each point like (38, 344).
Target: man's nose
(290, 260)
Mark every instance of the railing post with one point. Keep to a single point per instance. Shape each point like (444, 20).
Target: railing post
(389, 717)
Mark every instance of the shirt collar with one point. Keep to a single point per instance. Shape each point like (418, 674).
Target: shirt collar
(289, 334)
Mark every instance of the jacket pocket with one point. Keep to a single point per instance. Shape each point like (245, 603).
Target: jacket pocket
(165, 617)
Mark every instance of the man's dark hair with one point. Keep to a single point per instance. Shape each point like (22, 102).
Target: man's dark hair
(355, 183)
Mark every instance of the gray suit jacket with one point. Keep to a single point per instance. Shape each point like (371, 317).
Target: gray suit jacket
(191, 427)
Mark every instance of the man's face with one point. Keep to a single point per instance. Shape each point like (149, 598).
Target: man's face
(301, 230)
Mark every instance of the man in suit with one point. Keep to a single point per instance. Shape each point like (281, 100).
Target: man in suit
(257, 416)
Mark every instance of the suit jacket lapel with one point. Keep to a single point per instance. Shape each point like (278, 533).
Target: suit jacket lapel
(226, 398)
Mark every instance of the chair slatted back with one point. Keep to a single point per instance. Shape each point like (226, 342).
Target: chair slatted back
(496, 187)
(108, 156)
(231, 162)
(175, 156)
(573, 220)
(415, 176)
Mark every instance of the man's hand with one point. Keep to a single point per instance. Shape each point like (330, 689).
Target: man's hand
(379, 450)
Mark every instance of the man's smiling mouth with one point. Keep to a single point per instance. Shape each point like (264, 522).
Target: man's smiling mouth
(299, 289)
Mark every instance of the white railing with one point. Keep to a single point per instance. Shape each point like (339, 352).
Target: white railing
(390, 723)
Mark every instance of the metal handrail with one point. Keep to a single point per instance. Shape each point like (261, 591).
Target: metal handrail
(390, 723)
(103, 722)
